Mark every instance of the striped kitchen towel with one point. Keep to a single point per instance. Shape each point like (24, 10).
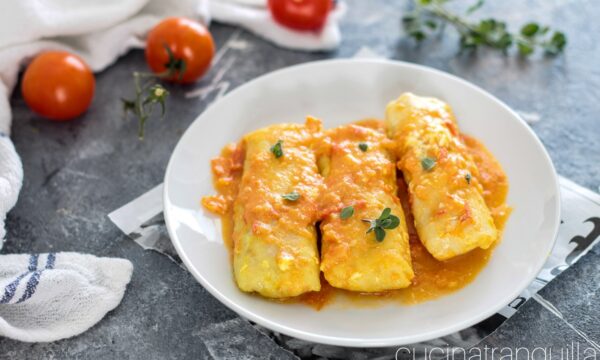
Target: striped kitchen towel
(53, 296)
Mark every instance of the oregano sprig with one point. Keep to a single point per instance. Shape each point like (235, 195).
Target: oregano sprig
(429, 15)
(386, 221)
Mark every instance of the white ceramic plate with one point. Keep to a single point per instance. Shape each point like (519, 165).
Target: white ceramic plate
(340, 91)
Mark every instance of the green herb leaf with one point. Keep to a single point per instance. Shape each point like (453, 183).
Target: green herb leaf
(392, 222)
(493, 33)
(475, 7)
(431, 24)
(363, 146)
(556, 44)
(385, 213)
(379, 234)
(525, 48)
(505, 41)
(529, 30)
(385, 221)
(468, 178)
(277, 149)
(347, 212)
(427, 163)
(293, 196)
(418, 35)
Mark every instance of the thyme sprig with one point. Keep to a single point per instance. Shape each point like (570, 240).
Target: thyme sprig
(429, 15)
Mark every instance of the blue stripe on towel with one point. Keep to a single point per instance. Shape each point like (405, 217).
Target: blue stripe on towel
(32, 283)
(34, 280)
(33, 261)
(10, 289)
(3, 134)
(50, 261)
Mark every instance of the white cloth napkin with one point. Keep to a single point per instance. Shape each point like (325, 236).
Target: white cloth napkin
(97, 30)
(48, 297)
(11, 174)
(253, 15)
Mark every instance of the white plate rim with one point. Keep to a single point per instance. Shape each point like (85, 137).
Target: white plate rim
(358, 342)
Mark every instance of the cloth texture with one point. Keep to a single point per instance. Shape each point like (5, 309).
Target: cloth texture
(53, 296)
(254, 16)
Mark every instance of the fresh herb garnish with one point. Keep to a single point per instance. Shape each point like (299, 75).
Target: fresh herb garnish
(427, 163)
(363, 146)
(346, 212)
(468, 178)
(142, 106)
(429, 15)
(277, 149)
(148, 93)
(385, 221)
(293, 196)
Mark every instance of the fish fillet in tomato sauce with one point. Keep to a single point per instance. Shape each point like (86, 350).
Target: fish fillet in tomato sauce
(433, 278)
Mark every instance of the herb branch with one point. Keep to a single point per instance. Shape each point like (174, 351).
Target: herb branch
(429, 15)
(385, 221)
(149, 94)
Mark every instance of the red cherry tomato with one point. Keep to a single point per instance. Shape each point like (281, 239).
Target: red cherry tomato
(301, 14)
(191, 46)
(58, 85)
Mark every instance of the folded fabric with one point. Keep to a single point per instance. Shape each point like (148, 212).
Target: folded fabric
(99, 31)
(11, 176)
(53, 296)
(253, 15)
